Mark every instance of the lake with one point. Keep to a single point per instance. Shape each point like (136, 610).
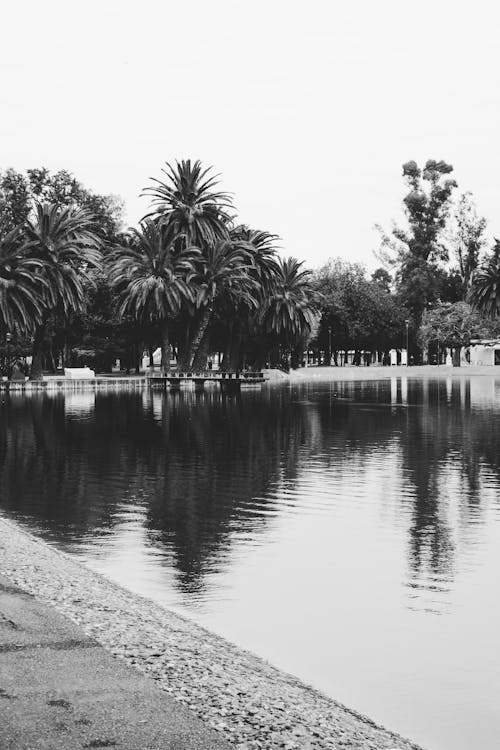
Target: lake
(348, 532)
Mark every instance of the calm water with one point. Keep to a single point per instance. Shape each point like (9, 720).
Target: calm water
(347, 532)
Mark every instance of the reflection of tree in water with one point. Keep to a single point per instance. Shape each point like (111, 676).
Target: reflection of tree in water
(204, 467)
(441, 438)
(224, 456)
(445, 449)
(194, 462)
(56, 468)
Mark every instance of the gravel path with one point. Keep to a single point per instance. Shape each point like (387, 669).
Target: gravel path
(253, 704)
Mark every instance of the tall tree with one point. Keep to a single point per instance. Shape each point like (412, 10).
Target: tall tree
(383, 278)
(420, 248)
(224, 271)
(288, 311)
(467, 238)
(357, 313)
(20, 193)
(454, 325)
(239, 314)
(66, 243)
(15, 199)
(153, 279)
(194, 212)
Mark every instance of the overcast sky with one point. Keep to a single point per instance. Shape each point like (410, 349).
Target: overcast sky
(307, 109)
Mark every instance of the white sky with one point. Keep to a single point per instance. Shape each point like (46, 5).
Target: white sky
(307, 109)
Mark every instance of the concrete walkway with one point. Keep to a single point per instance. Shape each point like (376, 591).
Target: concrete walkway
(61, 690)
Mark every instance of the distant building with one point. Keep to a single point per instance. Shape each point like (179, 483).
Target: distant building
(485, 352)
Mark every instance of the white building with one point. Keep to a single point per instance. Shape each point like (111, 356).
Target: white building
(485, 352)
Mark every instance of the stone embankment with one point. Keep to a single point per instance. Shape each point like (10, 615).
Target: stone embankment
(250, 702)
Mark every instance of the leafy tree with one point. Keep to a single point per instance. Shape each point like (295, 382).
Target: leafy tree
(453, 326)
(357, 313)
(450, 285)
(467, 238)
(20, 193)
(65, 242)
(15, 200)
(383, 278)
(153, 279)
(418, 250)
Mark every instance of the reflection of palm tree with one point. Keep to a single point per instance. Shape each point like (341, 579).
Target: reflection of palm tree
(76, 474)
(49, 464)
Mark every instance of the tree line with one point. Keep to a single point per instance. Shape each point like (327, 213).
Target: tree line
(76, 287)
(190, 278)
(438, 283)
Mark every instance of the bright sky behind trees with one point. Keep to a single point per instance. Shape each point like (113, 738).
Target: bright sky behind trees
(307, 109)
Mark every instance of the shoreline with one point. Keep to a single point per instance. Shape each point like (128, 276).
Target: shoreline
(250, 702)
(332, 374)
(272, 376)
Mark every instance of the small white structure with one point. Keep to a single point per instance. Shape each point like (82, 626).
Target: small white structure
(393, 353)
(404, 357)
(156, 360)
(78, 373)
(464, 362)
(485, 352)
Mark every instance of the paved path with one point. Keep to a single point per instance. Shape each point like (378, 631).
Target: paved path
(60, 690)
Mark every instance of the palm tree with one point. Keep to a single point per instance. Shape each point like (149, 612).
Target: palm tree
(21, 286)
(239, 314)
(225, 272)
(288, 312)
(485, 291)
(263, 250)
(153, 279)
(65, 242)
(188, 203)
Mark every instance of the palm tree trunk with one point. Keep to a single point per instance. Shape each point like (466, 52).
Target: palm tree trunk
(201, 356)
(183, 355)
(225, 363)
(36, 362)
(200, 332)
(165, 347)
(235, 359)
(226, 357)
